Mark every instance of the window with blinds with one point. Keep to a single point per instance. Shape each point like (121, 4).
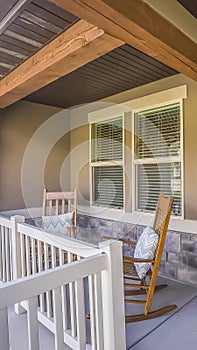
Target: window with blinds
(158, 159)
(107, 163)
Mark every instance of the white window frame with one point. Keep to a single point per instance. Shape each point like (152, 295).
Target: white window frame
(105, 114)
(164, 98)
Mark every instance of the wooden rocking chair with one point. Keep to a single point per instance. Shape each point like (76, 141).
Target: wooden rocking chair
(56, 203)
(147, 285)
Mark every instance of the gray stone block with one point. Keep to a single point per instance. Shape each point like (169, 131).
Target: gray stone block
(177, 259)
(173, 244)
(93, 222)
(170, 270)
(106, 231)
(192, 260)
(105, 223)
(162, 268)
(195, 247)
(185, 236)
(187, 245)
(117, 228)
(187, 275)
(139, 229)
(193, 237)
(164, 256)
(83, 220)
(90, 235)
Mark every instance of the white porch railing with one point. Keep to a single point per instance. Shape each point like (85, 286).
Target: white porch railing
(6, 264)
(58, 281)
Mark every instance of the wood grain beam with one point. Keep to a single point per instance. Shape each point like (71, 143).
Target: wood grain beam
(139, 25)
(80, 44)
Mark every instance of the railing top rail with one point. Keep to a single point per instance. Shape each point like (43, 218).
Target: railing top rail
(6, 222)
(66, 243)
(30, 286)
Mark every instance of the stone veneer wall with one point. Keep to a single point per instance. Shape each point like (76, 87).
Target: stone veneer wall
(179, 259)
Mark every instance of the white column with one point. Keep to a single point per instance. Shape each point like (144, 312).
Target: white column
(113, 297)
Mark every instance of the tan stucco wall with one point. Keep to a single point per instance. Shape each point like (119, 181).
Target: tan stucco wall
(18, 124)
(61, 143)
(81, 175)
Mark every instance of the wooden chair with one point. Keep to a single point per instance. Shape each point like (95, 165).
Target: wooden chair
(55, 203)
(147, 285)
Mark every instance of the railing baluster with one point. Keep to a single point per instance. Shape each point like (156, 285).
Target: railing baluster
(48, 294)
(23, 255)
(7, 255)
(98, 311)
(33, 256)
(11, 262)
(92, 311)
(64, 294)
(80, 313)
(4, 329)
(1, 256)
(40, 268)
(58, 321)
(95, 296)
(32, 321)
(72, 303)
(27, 253)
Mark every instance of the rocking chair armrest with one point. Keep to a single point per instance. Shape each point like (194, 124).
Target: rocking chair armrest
(105, 238)
(129, 259)
(125, 241)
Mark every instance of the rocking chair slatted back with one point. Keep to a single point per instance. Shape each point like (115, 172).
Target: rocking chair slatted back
(55, 203)
(162, 217)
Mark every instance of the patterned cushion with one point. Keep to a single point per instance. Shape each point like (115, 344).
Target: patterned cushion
(145, 249)
(57, 224)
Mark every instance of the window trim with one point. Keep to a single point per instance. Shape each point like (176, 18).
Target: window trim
(103, 115)
(161, 159)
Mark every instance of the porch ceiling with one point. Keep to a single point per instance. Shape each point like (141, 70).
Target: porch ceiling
(51, 54)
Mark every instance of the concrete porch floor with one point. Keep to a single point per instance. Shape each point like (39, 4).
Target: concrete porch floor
(177, 330)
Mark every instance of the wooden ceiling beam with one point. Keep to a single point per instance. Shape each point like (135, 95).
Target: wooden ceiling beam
(78, 45)
(140, 26)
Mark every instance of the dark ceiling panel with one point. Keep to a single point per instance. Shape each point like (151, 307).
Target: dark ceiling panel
(5, 7)
(119, 70)
(36, 25)
(26, 33)
(190, 5)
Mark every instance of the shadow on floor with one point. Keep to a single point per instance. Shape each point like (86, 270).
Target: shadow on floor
(176, 330)
(157, 330)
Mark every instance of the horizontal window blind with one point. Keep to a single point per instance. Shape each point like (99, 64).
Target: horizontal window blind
(155, 178)
(157, 156)
(108, 186)
(107, 137)
(106, 162)
(157, 132)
